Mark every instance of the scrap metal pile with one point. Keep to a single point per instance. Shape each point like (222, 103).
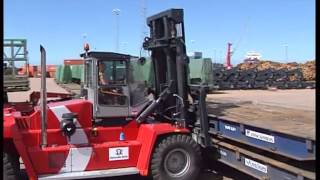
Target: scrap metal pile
(266, 74)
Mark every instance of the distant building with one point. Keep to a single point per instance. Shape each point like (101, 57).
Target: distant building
(73, 62)
(252, 57)
(195, 55)
(217, 66)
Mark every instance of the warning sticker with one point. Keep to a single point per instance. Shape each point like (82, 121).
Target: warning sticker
(223, 153)
(118, 153)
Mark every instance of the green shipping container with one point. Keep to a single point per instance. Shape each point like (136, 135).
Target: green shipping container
(66, 74)
(58, 73)
(200, 71)
(77, 72)
(143, 72)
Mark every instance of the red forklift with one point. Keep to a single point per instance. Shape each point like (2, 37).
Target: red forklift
(119, 127)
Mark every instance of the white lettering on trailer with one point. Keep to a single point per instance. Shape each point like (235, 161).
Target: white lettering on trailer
(260, 136)
(231, 128)
(118, 153)
(256, 165)
(223, 153)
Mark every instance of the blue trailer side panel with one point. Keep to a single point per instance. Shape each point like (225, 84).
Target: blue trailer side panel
(287, 145)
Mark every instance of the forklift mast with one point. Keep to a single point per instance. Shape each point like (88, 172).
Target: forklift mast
(170, 62)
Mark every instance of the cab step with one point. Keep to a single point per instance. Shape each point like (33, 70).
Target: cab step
(91, 174)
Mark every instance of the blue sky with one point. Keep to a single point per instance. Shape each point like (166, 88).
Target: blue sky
(62, 26)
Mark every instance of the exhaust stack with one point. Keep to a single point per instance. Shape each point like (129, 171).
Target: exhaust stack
(43, 97)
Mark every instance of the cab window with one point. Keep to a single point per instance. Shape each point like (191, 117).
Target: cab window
(112, 72)
(112, 83)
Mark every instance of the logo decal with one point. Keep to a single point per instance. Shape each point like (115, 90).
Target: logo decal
(118, 153)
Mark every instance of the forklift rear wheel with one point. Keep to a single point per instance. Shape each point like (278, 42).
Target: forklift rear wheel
(10, 167)
(5, 97)
(177, 157)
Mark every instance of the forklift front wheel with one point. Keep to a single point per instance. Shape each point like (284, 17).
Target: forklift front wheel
(177, 157)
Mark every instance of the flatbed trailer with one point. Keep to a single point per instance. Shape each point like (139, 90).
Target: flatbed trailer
(284, 131)
(266, 142)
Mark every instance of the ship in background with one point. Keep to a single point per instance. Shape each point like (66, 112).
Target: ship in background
(252, 57)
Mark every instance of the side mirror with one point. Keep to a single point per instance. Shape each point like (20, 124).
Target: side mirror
(141, 61)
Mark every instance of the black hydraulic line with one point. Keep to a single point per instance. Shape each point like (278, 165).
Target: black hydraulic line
(155, 103)
(181, 77)
(171, 66)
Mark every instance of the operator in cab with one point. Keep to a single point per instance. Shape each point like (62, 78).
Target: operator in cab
(102, 75)
(108, 95)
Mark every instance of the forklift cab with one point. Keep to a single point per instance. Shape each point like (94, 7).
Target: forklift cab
(114, 85)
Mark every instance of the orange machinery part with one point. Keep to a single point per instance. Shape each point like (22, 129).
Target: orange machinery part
(73, 62)
(35, 71)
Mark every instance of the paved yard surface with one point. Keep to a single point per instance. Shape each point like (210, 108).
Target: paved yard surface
(35, 85)
(303, 99)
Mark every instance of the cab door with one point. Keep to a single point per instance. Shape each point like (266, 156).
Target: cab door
(112, 98)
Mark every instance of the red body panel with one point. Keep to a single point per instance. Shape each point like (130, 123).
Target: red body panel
(22, 150)
(85, 150)
(7, 124)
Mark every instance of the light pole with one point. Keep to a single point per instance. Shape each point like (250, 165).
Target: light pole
(124, 45)
(192, 42)
(116, 12)
(84, 36)
(220, 55)
(286, 51)
(215, 55)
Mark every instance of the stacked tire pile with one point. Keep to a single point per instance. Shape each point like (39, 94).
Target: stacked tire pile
(264, 75)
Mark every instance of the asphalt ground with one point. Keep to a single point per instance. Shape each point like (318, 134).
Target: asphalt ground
(302, 99)
(35, 85)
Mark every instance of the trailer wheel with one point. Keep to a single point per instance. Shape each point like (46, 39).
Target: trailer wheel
(10, 167)
(177, 157)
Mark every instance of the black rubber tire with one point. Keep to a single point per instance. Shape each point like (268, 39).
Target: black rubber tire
(10, 167)
(5, 97)
(168, 144)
